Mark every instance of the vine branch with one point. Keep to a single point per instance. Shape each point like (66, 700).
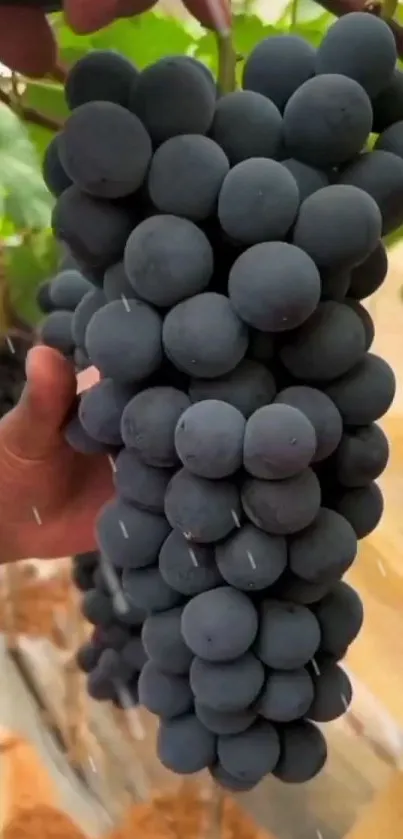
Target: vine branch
(30, 114)
(373, 7)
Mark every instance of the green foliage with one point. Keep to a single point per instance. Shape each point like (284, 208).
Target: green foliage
(25, 205)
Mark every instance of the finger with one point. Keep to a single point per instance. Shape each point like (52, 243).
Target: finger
(33, 426)
(213, 14)
(87, 379)
(85, 16)
(27, 44)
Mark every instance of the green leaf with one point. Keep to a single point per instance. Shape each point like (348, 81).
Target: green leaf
(27, 265)
(27, 200)
(46, 98)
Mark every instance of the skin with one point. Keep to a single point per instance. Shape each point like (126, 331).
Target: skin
(41, 477)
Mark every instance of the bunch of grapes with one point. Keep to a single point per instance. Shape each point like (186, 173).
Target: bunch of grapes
(230, 240)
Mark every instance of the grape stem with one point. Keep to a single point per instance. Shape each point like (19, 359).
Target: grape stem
(30, 114)
(226, 63)
(374, 7)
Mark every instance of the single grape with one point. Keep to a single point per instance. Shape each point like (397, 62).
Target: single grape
(340, 614)
(327, 120)
(95, 230)
(220, 624)
(187, 567)
(79, 440)
(365, 393)
(369, 276)
(168, 259)
(134, 655)
(326, 548)
(282, 507)
(359, 46)
(338, 226)
(146, 589)
(100, 411)
(362, 507)
(56, 331)
(230, 686)
(130, 538)
(204, 336)
(123, 340)
(250, 559)
(294, 589)
(333, 694)
(366, 320)
(362, 456)
(89, 304)
(111, 667)
(162, 639)
(279, 442)
(185, 746)
(100, 75)
(54, 175)
(105, 150)
(209, 439)
(203, 510)
(380, 175)
(114, 636)
(87, 656)
(186, 175)
(248, 387)
(97, 608)
(278, 66)
(139, 484)
(335, 284)
(252, 754)
(100, 688)
(274, 286)
(227, 782)
(163, 694)
(43, 297)
(173, 97)
(116, 284)
(246, 124)
(322, 414)
(303, 752)
(149, 421)
(224, 722)
(328, 344)
(388, 105)
(286, 696)
(288, 636)
(258, 201)
(308, 178)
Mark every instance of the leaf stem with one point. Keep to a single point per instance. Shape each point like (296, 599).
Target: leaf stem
(226, 63)
(30, 114)
(294, 15)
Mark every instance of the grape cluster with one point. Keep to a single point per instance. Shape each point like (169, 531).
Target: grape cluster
(233, 237)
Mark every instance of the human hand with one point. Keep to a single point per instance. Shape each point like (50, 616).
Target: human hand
(27, 43)
(49, 494)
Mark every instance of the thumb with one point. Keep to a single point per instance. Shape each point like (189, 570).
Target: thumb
(33, 426)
